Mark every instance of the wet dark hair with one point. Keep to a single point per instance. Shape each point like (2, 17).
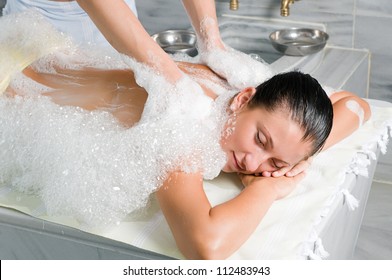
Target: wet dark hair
(304, 99)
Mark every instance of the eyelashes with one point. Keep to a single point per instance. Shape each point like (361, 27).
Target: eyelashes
(258, 139)
(261, 143)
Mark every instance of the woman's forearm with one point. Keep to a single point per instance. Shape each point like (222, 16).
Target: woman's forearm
(205, 232)
(126, 34)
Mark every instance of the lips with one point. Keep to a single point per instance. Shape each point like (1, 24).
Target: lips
(236, 163)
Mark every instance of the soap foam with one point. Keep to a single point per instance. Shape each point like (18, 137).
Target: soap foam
(85, 164)
(354, 107)
(240, 69)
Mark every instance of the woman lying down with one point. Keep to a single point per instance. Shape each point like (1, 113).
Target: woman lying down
(94, 145)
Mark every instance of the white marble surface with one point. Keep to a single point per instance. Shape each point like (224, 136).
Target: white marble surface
(338, 67)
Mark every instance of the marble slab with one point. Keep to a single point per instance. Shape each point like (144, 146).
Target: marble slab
(339, 65)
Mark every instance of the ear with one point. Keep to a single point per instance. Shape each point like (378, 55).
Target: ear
(242, 98)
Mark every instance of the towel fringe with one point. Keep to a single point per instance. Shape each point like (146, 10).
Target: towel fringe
(319, 249)
(351, 202)
(314, 249)
(384, 138)
(359, 165)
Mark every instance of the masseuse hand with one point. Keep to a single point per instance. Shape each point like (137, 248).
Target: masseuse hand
(239, 69)
(281, 186)
(290, 171)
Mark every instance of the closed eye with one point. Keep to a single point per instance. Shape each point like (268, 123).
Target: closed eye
(258, 139)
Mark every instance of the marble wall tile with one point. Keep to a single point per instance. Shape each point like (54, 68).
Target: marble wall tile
(375, 8)
(339, 6)
(372, 33)
(339, 23)
(381, 77)
(160, 15)
(358, 82)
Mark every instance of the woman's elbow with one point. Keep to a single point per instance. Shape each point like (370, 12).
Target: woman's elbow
(205, 247)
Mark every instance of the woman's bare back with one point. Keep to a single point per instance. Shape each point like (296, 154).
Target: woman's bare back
(107, 89)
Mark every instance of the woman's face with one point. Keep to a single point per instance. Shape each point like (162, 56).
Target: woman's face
(259, 141)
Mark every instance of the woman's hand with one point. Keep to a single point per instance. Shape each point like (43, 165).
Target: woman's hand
(290, 171)
(280, 186)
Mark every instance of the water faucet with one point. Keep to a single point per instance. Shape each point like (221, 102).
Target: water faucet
(285, 7)
(233, 5)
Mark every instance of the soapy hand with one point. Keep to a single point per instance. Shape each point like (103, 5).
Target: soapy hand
(239, 69)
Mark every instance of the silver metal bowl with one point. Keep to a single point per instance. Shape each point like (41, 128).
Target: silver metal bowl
(298, 41)
(177, 41)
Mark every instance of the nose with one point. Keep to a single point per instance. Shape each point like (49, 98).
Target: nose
(253, 161)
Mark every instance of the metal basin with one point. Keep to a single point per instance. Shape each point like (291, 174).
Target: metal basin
(298, 41)
(177, 41)
(251, 35)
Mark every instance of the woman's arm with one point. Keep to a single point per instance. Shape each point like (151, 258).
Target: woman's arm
(350, 112)
(126, 34)
(205, 232)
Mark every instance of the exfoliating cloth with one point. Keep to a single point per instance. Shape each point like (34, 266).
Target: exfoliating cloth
(286, 229)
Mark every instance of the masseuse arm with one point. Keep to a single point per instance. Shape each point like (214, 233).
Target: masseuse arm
(198, 11)
(205, 232)
(126, 34)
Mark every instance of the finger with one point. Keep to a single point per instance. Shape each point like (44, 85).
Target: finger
(299, 176)
(280, 172)
(300, 167)
(245, 179)
(266, 174)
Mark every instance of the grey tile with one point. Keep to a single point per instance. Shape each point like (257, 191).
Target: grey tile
(379, 208)
(158, 15)
(339, 22)
(373, 244)
(375, 236)
(309, 5)
(377, 8)
(384, 166)
(381, 77)
(358, 82)
(372, 33)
